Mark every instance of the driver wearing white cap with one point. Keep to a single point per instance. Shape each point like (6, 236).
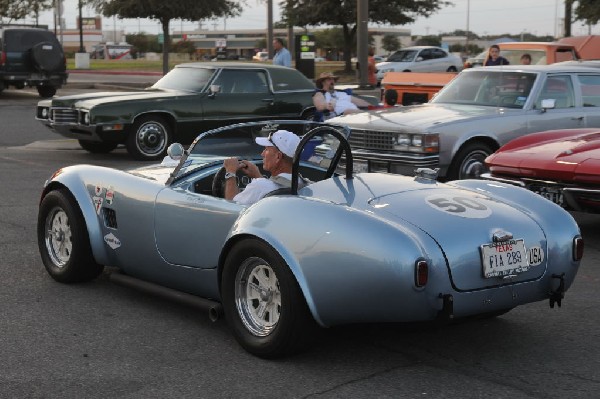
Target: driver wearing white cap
(278, 156)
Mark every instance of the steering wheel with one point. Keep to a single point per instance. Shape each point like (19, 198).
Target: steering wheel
(218, 183)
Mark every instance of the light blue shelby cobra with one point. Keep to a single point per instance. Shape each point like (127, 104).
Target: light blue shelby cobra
(371, 247)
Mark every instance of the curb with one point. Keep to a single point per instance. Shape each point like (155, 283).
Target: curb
(106, 72)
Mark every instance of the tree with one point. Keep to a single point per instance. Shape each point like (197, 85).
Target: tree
(587, 11)
(143, 42)
(429, 41)
(165, 11)
(342, 13)
(18, 9)
(390, 43)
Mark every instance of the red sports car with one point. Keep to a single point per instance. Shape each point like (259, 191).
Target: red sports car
(561, 165)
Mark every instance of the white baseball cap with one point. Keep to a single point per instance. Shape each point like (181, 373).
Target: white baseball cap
(285, 141)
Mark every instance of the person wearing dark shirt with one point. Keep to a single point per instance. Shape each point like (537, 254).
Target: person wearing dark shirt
(494, 57)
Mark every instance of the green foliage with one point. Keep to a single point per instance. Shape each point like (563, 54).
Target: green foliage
(144, 43)
(587, 11)
(165, 11)
(184, 47)
(18, 9)
(390, 43)
(429, 41)
(343, 14)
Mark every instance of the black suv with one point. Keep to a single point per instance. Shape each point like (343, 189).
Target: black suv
(31, 57)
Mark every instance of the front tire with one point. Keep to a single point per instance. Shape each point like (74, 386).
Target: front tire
(263, 303)
(63, 239)
(149, 138)
(469, 163)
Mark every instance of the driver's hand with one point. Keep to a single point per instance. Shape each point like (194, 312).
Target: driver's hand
(249, 169)
(231, 165)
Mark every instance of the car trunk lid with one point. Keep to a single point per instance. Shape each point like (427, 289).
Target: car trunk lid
(454, 218)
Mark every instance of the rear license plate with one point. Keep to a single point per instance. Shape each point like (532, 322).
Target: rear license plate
(504, 258)
(553, 194)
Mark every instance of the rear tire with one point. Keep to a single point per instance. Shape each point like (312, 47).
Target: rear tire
(263, 303)
(46, 91)
(63, 239)
(451, 69)
(97, 147)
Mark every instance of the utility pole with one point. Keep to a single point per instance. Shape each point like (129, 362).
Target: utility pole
(270, 28)
(362, 40)
(81, 48)
(568, 12)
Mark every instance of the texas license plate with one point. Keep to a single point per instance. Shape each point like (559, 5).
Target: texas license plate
(553, 194)
(504, 258)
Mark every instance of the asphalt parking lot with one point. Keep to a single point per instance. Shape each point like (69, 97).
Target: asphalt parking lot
(99, 340)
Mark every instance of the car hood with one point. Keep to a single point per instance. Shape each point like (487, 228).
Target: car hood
(423, 116)
(575, 158)
(431, 207)
(90, 99)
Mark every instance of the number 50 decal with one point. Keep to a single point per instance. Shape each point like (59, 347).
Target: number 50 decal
(465, 207)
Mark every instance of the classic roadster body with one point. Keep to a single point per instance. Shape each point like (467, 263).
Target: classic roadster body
(371, 247)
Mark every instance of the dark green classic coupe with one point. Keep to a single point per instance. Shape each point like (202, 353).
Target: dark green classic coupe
(190, 99)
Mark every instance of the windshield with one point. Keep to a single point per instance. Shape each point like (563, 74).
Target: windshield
(238, 141)
(188, 79)
(403, 56)
(491, 88)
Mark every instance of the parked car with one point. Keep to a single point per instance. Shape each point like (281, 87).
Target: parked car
(542, 53)
(346, 248)
(588, 47)
(472, 116)
(31, 57)
(476, 61)
(560, 165)
(419, 59)
(261, 56)
(414, 87)
(191, 98)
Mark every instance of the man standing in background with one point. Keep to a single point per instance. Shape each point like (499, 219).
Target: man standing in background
(282, 55)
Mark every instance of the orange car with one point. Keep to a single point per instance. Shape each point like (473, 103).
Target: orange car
(414, 87)
(541, 53)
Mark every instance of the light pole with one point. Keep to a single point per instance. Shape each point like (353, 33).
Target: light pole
(81, 48)
(467, 32)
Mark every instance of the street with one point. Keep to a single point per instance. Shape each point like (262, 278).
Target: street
(100, 340)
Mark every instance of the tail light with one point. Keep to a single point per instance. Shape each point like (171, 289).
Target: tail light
(421, 273)
(577, 248)
(2, 57)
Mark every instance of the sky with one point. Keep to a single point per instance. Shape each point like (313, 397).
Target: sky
(483, 17)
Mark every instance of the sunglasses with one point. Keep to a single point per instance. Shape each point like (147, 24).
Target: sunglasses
(272, 142)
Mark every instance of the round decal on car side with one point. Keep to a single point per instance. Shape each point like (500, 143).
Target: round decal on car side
(463, 206)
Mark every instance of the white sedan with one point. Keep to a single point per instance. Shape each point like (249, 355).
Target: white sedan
(420, 59)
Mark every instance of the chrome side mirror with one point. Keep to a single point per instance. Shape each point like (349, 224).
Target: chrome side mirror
(175, 151)
(214, 89)
(548, 103)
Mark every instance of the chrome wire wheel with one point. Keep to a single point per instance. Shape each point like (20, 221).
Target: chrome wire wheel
(58, 237)
(258, 296)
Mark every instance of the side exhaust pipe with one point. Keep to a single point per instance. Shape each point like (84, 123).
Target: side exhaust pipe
(215, 310)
